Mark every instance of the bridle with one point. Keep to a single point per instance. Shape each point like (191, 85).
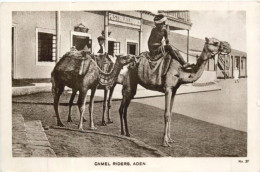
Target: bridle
(213, 54)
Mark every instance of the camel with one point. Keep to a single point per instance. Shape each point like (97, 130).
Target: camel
(68, 73)
(108, 91)
(174, 77)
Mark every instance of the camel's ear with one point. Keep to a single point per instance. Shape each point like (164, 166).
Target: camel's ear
(207, 39)
(118, 56)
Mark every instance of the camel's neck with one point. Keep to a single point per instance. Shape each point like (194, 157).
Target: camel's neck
(199, 67)
(201, 63)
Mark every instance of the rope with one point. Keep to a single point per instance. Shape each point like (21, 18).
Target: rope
(182, 51)
(103, 72)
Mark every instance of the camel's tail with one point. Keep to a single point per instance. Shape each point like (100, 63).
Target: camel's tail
(53, 83)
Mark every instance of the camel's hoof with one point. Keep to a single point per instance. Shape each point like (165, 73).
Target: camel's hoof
(110, 121)
(128, 134)
(171, 140)
(69, 120)
(93, 128)
(84, 120)
(104, 123)
(81, 129)
(166, 144)
(60, 124)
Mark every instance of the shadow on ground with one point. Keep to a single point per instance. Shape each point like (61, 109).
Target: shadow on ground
(194, 138)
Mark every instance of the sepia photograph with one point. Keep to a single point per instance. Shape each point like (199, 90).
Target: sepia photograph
(135, 83)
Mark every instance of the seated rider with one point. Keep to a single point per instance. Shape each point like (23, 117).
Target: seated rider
(100, 50)
(156, 37)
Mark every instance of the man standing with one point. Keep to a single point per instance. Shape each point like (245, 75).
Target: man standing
(236, 75)
(100, 49)
(156, 37)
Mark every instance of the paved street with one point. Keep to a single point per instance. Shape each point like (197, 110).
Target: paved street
(227, 107)
(194, 122)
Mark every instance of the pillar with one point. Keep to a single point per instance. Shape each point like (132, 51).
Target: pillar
(57, 36)
(246, 67)
(224, 66)
(240, 66)
(141, 34)
(188, 44)
(106, 29)
(232, 61)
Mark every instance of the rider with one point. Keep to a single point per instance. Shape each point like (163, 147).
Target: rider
(156, 37)
(100, 50)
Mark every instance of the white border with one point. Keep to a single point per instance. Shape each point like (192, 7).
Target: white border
(167, 164)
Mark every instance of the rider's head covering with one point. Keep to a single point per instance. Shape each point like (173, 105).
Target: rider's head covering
(159, 19)
(101, 38)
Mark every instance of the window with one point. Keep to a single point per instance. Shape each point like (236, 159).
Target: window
(46, 47)
(242, 63)
(113, 48)
(116, 48)
(237, 62)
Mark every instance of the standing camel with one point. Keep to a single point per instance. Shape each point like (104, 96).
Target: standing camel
(174, 77)
(108, 88)
(68, 73)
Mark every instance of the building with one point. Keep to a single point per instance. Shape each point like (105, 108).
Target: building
(36, 47)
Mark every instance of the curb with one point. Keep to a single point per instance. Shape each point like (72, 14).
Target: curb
(141, 93)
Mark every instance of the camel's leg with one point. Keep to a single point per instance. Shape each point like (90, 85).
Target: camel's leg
(167, 115)
(70, 104)
(128, 92)
(57, 91)
(92, 97)
(81, 105)
(125, 116)
(171, 108)
(104, 106)
(121, 111)
(109, 104)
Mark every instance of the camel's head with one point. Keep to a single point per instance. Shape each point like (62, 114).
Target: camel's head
(214, 46)
(125, 59)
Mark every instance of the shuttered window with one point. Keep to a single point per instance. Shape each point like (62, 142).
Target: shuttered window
(46, 47)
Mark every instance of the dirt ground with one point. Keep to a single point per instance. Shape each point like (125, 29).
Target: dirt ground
(194, 138)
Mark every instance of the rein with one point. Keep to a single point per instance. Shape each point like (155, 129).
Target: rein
(182, 51)
(107, 79)
(101, 71)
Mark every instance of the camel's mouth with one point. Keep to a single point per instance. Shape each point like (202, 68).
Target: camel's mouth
(224, 47)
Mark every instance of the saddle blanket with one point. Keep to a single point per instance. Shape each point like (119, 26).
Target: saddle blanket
(152, 71)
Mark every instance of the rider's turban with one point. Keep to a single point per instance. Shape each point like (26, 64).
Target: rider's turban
(160, 18)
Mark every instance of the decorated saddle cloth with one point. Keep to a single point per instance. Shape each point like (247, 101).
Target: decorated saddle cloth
(153, 69)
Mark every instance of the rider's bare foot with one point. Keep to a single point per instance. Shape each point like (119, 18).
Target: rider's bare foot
(186, 65)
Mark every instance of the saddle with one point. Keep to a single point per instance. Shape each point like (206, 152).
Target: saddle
(103, 61)
(156, 59)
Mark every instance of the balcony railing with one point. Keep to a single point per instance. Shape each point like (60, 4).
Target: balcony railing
(179, 15)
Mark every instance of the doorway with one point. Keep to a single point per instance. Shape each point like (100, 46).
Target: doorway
(81, 42)
(132, 48)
